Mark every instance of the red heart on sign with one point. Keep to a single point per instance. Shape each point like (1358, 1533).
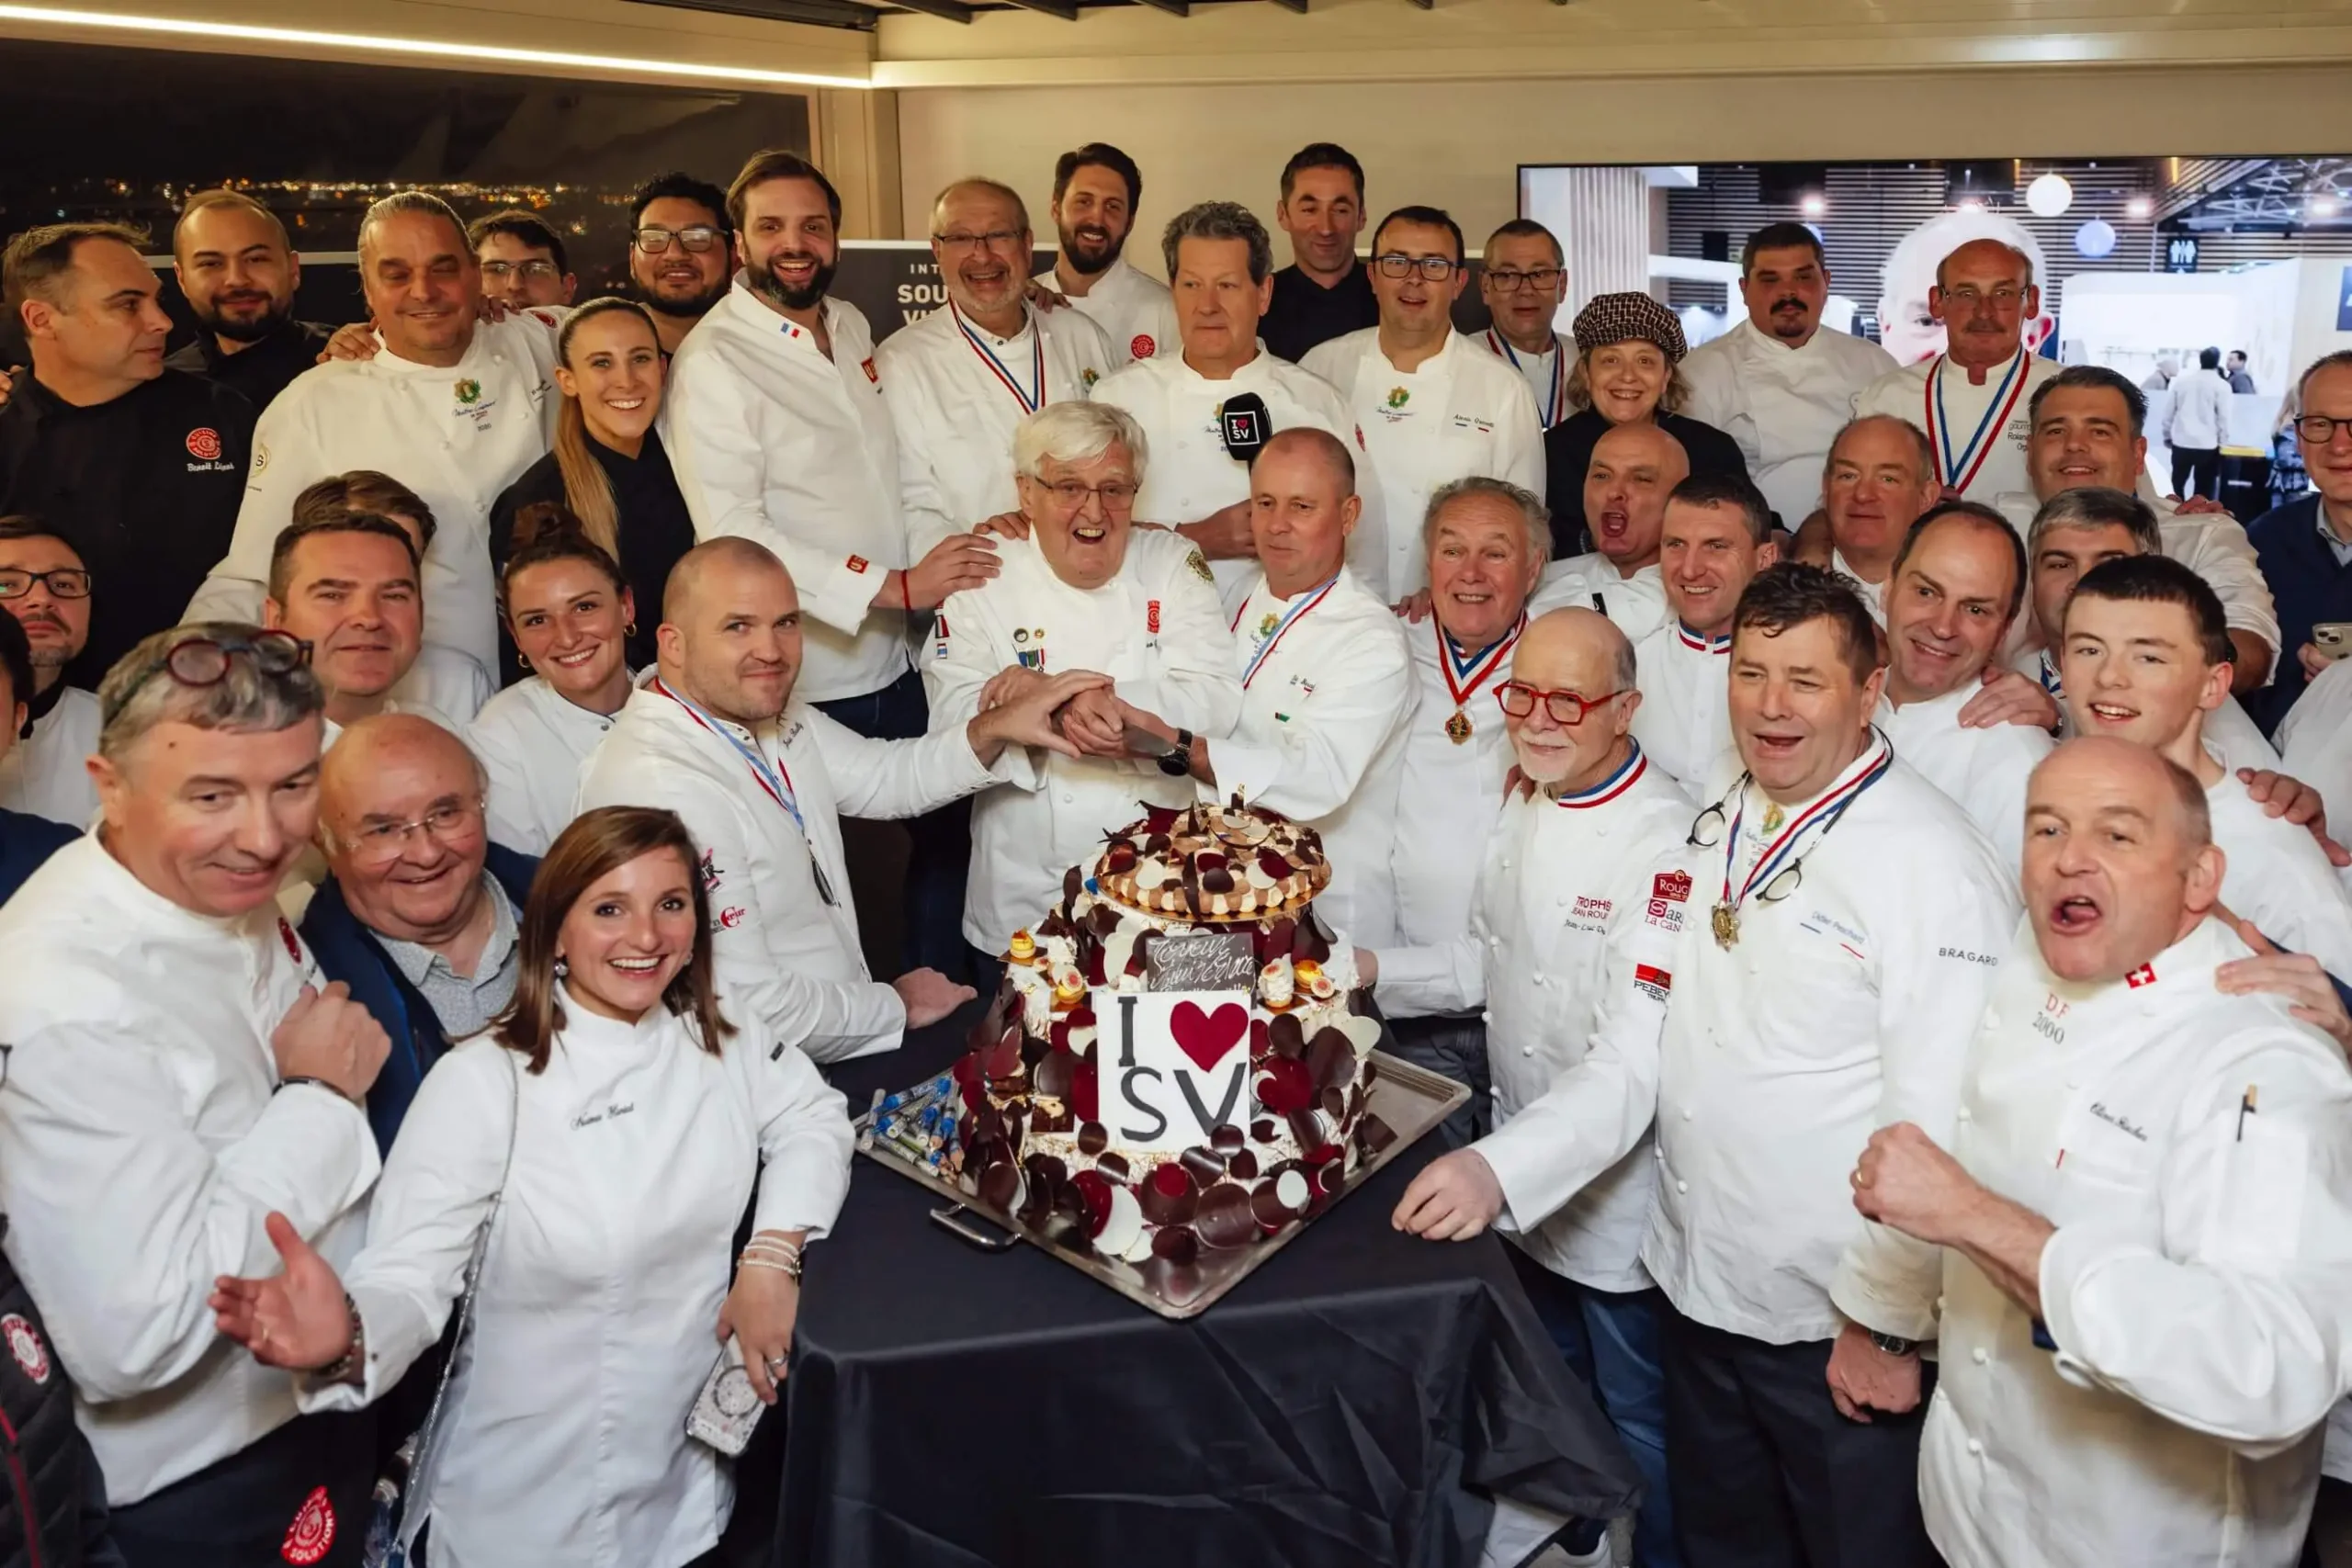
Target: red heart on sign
(1205, 1036)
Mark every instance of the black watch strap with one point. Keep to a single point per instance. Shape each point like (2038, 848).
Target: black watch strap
(1177, 761)
(1894, 1345)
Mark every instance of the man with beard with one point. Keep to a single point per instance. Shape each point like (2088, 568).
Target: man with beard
(678, 252)
(1098, 190)
(1778, 383)
(1526, 278)
(779, 431)
(961, 380)
(239, 272)
(1635, 467)
(1325, 292)
(45, 589)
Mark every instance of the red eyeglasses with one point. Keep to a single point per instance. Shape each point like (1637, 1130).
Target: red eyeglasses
(1519, 699)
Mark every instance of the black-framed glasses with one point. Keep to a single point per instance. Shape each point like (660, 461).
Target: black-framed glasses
(2315, 428)
(1435, 269)
(200, 662)
(65, 583)
(1708, 831)
(542, 268)
(698, 238)
(1519, 699)
(1543, 279)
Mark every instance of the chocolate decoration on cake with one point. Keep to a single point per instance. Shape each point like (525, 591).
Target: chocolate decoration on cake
(1073, 884)
(1287, 1037)
(1121, 856)
(1373, 1136)
(1331, 1059)
(1000, 1186)
(1224, 1220)
(1283, 1086)
(1157, 844)
(1168, 1194)
(1335, 1103)
(1225, 1137)
(1207, 1165)
(1053, 1076)
(1093, 1191)
(1306, 1127)
(1111, 1164)
(1242, 1166)
(1216, 879)
(1092, 1138)
(1176, 1244)
(1262, 1130)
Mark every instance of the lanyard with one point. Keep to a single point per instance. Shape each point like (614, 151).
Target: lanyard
(775, 780)
(2051, 682)
(1030, 401)
(1464, 673)
(1553, 399)
(1958, 472)
(1628, 773)
(1290, 617)
(1823, 814)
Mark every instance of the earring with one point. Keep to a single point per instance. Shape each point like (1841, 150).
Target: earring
(629, 630)
(562, 970)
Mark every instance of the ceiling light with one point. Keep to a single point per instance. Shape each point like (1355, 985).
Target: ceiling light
(2049, 197)
(1814, 204)
(624, 65)
(2325, 206)
(2140, 208)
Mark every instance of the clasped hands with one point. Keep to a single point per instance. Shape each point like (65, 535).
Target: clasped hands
(1096, 722)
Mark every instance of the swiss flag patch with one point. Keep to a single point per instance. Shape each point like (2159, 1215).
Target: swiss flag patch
(311, 1535)
(1143, 347)
(2143, 976)
(204, 444)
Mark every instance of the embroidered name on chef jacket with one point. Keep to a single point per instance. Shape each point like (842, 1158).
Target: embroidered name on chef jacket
(1473, 423)
(1588, 914)
(1822, 923)
(203, 443)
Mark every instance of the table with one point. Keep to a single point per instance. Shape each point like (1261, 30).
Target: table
(950, 1408)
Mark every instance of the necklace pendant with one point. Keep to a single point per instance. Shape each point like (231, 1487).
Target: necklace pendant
(1725, 920)
(1457, 729)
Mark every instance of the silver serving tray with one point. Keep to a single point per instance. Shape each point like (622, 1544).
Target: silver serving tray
(1411, 1099)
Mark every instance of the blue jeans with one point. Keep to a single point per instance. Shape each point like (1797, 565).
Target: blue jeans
(1610, 1340)
(941, 851)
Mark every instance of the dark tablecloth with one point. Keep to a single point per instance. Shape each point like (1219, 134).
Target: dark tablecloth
(950, 1408)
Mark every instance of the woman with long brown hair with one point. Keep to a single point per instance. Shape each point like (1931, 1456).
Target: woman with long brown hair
(607, 465)
(605, 1133)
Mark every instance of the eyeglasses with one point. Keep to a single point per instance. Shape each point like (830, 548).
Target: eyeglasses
(1713, 823)
(990, 241)
(1436, 269)
(65, 583)
(201, 661)
(2314, 428)
(382, 843)
(502, 270)
(1519, 699)
(699, 238)
(1543, 279)
(1115, 496)
(1969, 297)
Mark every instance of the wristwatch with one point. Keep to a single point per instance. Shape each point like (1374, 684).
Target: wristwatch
(1177, 761)
(1892, 1345)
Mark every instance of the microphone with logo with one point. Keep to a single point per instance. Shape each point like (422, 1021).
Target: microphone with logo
(1245, 425)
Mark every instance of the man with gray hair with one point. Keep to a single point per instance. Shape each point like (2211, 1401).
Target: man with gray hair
(177, 1074)
(1207, 411)
(453, 406)
(1084, 591)
(960, 380)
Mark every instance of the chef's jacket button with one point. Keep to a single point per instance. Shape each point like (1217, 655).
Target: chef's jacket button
(1494, 942)
(1506, 863)
(1682, 1187)
(1991, 1018)
(1961, 1113)
(1068, 797)
(1527, 1050)
(1975, 1446)
(1687, 1113)
(1561, 899)
(1978, 1355)
(1657, 1154)
(1539, 979)
(1486, 1018)
(1939, 1306)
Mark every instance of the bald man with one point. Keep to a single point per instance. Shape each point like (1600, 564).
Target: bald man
(959, 380)
(1635, 467)
(1570, 951)
(420, 912)
(716, 734)
(2147, 1211)
(1327, 685)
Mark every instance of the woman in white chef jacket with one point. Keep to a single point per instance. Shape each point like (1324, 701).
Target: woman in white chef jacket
(640, 1124)
(570, 616)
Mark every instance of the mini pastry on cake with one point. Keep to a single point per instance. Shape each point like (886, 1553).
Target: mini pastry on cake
(1213, 864)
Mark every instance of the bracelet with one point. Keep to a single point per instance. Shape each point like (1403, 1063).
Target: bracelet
(790, 1269)
(315, 1083)
(784, 1251)
(341, 1368)
(906, 588)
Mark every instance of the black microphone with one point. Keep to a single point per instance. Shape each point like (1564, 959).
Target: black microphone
(1245, 425)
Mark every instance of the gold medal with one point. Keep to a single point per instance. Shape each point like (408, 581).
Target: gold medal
(1726, 919)
(1457, 729)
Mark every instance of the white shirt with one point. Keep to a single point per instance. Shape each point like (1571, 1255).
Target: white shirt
(1461, 411)
(1684, 722)
(532, 742)
(1547, 374)
(1447, 802)
(787, 954)
(634, 1155)
(1783, 404)
(2195, 1291)
(2197, 410)
(1322, 714)
(1635, 604)
(1190, 475)
(1155, 629)
(143, 1144)
(956, 400)
(2316, 738)
(1845, 1005)
(46, 775)
(771, 440)
(446, 682)
(457, 435)
(1872, 594)
(2213, 545)
(2275, 874)
(1981, 437)
(1133, 309)
(1982, 771)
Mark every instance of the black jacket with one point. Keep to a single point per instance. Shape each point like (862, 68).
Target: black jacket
(259, 371)
(48, 1475)
(1567, 453)
(148, 487)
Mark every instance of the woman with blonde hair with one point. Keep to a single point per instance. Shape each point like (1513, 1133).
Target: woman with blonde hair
(602, 1138)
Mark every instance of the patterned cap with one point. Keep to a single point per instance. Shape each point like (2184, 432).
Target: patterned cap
(1619, 318)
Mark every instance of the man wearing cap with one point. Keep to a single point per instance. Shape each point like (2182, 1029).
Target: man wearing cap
(1524, 280)
(1098, 190)
(1429, 406)
(1780, 383)
(1970, 400)
(1715, 536)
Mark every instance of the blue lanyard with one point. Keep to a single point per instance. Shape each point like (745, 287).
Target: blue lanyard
(778, 783)
(1030, 401)
(1305, 601)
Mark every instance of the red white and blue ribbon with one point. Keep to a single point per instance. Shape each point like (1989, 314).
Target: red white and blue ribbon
(1628, 773)
(1290, 617)
(1559, 392)
(1699, 642)
(1030, 400)
(1957, 470)
(1813, 822)
(1466, 673)
(773, 778)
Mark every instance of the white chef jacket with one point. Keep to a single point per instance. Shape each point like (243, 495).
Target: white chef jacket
(1872, 594)
(787, 956)
(1155, 629)
(143, 1142)
(2195, 1290)
(1547, 374)
(532, 740)
(634, 1155)
(2275, 874)
(1845, 1007)
(771, 440)
(2316, 740)
(457, 436)
(1783, 405)
(1684, 722)
(1461, 411)
(46, 775)
(2197, 410)
(1320, 736)
(1447, 802)
(2230, 730)
(445, 681)
(1133, 309)
(1634, 605)
(954, 414)
(1190, 475)
(1979, 466)
(1982, 771)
